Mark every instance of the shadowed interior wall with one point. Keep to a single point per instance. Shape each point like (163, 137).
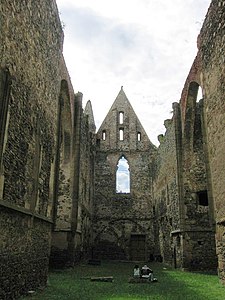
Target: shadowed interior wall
(211, 48)
(58, 178)
(29, 93)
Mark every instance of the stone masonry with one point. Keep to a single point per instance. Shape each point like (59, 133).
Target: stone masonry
(30, 75)
(60, 197)
(212, 49)
(121, 219)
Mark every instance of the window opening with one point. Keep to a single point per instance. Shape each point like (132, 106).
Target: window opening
(153, 209)
(123, 176)
(139, 136)
(203, 198)
(121, 134)
(199, 94)
(200, 243)
(103, 135)
(121, 117)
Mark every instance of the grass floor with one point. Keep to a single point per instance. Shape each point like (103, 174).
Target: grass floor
(172, 284)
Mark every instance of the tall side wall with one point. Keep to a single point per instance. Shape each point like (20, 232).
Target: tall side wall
(86, 191)
(193, 242)
(166, 193)
(31, 44)
(72, 234)
(212, 49)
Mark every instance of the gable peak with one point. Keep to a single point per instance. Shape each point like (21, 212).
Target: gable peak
(121, 96)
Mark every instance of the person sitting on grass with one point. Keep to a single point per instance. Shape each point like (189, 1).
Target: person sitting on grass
(136, 271)
(147, 273)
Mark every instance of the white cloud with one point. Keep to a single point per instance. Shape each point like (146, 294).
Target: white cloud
(123, 183)
(147, 46)
(123, 176)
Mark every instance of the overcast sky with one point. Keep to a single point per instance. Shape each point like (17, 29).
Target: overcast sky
(146, 46)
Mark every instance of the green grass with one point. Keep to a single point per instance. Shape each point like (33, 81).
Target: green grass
(172, 284)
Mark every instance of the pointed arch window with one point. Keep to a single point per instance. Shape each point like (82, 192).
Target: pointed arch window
(123, 176)
(193, 116)
(199, 94)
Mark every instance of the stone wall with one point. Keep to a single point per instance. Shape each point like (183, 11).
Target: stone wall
(182, 163)
(31, 44)
(25, 243)
(62, 176)
(211, 48)
(166, 191)
(84, 241)
(58, 178)
(123, 218)
(197, 207)
(72, 235)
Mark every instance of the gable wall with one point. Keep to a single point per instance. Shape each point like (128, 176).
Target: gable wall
(119, 215)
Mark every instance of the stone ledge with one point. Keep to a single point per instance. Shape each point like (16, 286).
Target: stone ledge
(24, 211)
(192, 230)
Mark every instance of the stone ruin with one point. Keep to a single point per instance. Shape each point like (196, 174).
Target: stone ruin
(61, 200)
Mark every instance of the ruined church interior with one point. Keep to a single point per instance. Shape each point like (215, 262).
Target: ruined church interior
(61, 198)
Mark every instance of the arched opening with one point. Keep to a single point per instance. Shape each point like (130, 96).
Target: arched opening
(199, 94)
(61, 177)
(123, 176)
(63, 159)
(121, 117)
(121, 134)
(107, 246)
(139, 136)
(103, 135)
(192, 128)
